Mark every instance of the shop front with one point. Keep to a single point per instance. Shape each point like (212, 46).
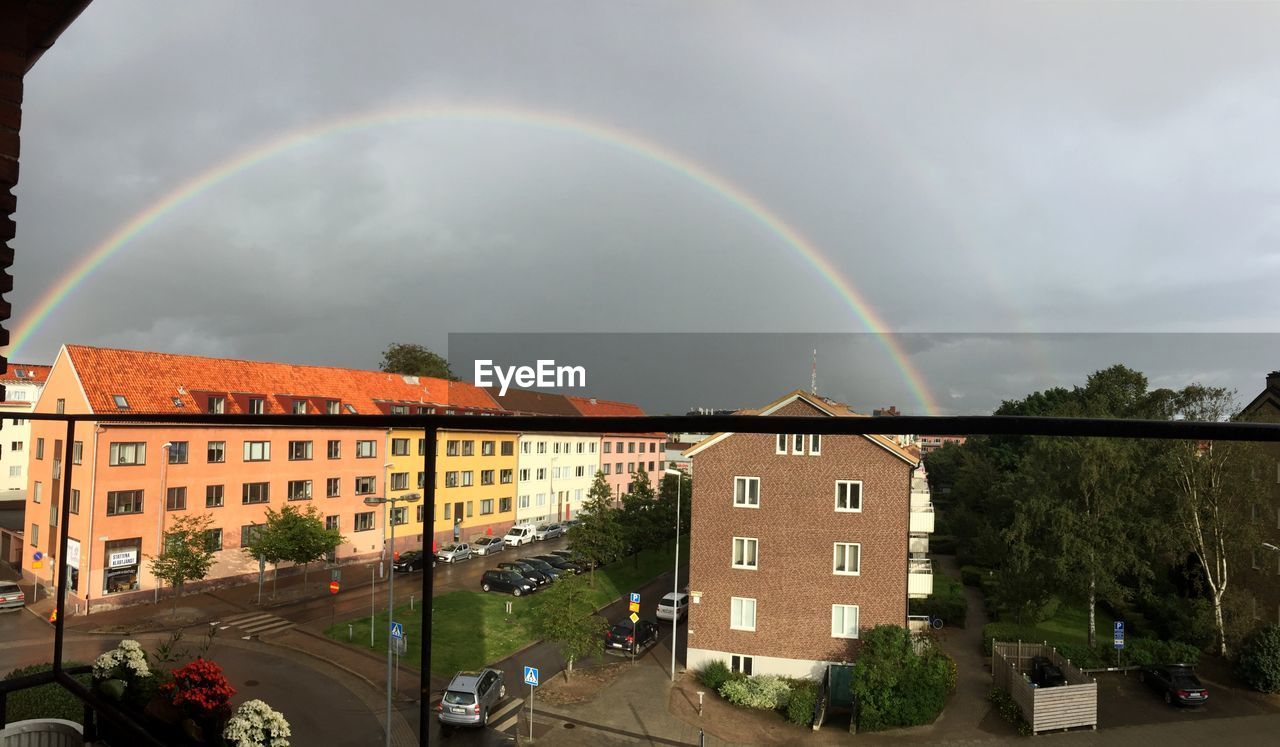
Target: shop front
(121, 565)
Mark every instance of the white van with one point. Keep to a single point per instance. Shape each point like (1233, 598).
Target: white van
(673, 606)
(519, 535)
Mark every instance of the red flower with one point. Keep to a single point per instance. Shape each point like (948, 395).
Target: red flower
(201, 690)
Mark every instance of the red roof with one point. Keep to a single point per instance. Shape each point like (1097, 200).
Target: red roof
(25, 373)
(605, 408)
(167, 383)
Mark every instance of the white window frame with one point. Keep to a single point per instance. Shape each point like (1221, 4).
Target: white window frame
(780, 444)
(840, 510)
(844, 616)
(754, 543)
(737, 608)
(815, 444)
(835, 550)
(797, 443)
(748, 480)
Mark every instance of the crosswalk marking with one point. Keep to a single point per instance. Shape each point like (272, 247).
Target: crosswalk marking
(512, 707)
(257, 623)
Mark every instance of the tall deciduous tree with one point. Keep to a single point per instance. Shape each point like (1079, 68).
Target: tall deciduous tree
(415, 360)
(564, 614)
(304, 538)
(186, 555)
(1216, 485)
(598, 538)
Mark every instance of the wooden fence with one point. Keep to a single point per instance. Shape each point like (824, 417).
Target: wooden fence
(1045, 708)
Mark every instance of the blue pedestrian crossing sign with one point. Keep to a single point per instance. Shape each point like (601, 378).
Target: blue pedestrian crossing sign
(1119, 634)
(397, 630)
(635, 597)
(531, 676)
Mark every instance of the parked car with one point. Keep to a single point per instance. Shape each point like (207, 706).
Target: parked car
(560, 563)
(487, 545)
(12, 597)
(1176, 682)
(1045, 673)
(546, 568)
(508, 581)
(571, 524)
(518, 535)
(452, 553)
(471, 697)
(629, 638)
(524, 569)
(548, 531)
(575, 558)
(673, 606)
(411, 560)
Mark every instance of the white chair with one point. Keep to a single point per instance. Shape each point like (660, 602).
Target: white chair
(42, 732)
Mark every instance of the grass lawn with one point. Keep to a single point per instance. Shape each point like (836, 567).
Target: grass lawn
(471, 628)
(1071, 625)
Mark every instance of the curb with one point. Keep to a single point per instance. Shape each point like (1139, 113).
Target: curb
(343, 667)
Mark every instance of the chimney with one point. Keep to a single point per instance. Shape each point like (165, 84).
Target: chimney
(1273, 380)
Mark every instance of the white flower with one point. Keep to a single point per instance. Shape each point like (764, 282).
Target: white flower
(128, 654)
(256, 724)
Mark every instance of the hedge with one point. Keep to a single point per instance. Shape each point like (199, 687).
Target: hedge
(947, 602)
(1137, 651)
(1259, 663)
(894, 686)
(972, 575)
(763, 691)
(45, 701)
(804, 696)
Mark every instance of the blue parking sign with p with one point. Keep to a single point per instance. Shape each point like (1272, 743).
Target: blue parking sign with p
(1119, 634)
(635, 597)
(531, 676)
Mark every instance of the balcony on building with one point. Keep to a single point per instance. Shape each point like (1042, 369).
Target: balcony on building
(921, 516)
(918, 544)
(919, 578)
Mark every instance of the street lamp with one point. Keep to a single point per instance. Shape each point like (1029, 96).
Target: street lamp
(675, 581)
(374, 500)
(164, 502)
(1270, 546)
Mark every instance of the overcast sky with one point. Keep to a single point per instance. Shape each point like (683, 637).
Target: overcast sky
(1038, 167)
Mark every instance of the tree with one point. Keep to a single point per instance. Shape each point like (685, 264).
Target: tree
(564, 614)
(305, 537)
(186, 555)
(415, 360)
(1216, 486)
(667, 499)
(893, 685)
(266, 544)
(598, 538)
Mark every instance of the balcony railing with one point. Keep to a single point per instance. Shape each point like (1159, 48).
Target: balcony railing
(921, 497)
(920, 578)
(918, 544)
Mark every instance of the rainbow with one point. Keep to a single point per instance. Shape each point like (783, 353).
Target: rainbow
(600, 133)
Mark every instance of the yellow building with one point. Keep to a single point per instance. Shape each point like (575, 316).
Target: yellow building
(475, 485)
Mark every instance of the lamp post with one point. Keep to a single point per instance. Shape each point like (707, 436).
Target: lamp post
(374, 500)
(164, 504)
(675, 581)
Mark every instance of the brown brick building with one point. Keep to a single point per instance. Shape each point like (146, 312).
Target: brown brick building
(799, 543)
(1262, 579)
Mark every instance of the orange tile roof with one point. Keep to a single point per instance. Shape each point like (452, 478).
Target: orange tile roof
(31, 374)
(605, 408)
(151, 382)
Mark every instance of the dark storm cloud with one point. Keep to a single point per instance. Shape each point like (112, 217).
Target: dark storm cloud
(968, 167)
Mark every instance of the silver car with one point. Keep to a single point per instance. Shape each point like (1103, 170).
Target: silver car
(548, 531)
(452, 553)
(471, 697)
(487, 545)
(12, 597)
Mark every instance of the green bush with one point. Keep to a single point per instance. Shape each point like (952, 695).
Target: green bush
(763, 691)
(971, 575)
(1084, 657)
(45, 701)
(1259, 662)
(893, 686)
(1008, 709)
(1146, 651)
(1006, 631)
(947, 601)
(945, 545)
(714, 674)
(1050, 608)
(804, 696)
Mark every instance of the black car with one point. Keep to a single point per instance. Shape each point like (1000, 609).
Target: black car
(546, 568)
(410, 560)
(508, 581)
(627, 638)
(1176, 682)
(1045, 673)
(524, 569)
(561, 563)
(575, 558)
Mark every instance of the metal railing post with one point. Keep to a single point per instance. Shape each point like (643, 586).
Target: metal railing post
(60, 605)
(428, 578)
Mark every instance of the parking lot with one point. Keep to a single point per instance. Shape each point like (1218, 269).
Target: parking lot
(1124, 701)
(465, 574)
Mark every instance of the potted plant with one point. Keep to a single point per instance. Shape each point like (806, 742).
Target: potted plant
(201, 696)
(256, 724)
(123, 673)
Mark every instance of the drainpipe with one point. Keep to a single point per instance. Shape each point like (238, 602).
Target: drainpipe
(87, 556)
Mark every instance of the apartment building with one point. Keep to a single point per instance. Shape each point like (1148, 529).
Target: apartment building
(22, 385)
(622, 455)
(799, 543)
(554, 472)
(1262, 579)
(129, 479)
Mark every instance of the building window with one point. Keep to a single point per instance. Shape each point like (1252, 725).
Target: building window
(366, 449)
(38, 493)
(745, 552)
(300, 407)
(542, 447)
(608, 447)
(740, 664)
(542, 473)
(15, 446)
(451, 448)
(468, 448)
(486, 477)
(849, 495)
(299, 490)
(121, 402)
(486, 448)
(399, 515)
(333, 487)
(256, 492)
(742, 613)
(524, 447)
(77, 452)
(399, 480)
(399, 409)
(848, 559)
(35, 534)
(467, 478)
(508, 448)
(606, 468)
(257, 405)
(75, 501)
(124, 502)
(422, 480)
(797, 444)
(486, 506)
(123, 454)
(216, 405)
(504, 505)
(213, 495)
(422, 514)
(333, 522)
(364, 521)
(541, 499)
(333, 407)
(746, 492)
(631, 467)
(367, 485)
(335, 449)
(504, 477)
(650, 466)
(470, 507)
(782, 444)
(257, 451)
(524, 473)
(299, 451)
(178, 452)
(844, 621)
(176, 500)
(213, 540)
(217, 452)
(815, 444)
(249, 533)
(15, 470)
(451, 479)
(524, 502)
(618, 468)
(60, 406)
(447, 508)
(400, 447)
